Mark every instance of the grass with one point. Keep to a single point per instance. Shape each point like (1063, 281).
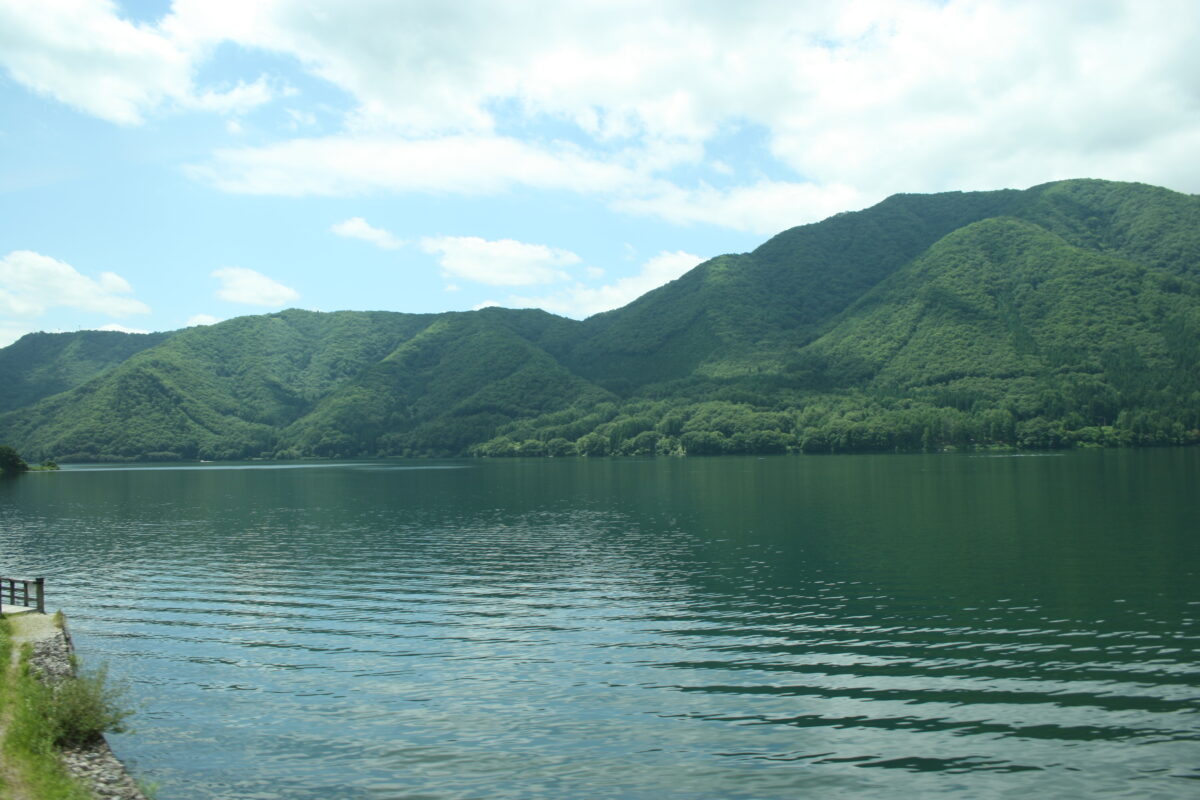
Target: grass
(38, 719)
(79, 710)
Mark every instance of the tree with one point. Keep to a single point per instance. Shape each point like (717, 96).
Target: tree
(10, 462)
(559, 447)
(592, 444)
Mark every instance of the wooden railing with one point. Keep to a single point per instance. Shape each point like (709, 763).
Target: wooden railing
(24, 592)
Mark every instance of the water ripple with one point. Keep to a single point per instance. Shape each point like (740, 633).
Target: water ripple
(365, 631)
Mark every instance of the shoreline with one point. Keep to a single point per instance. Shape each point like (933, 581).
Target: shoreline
(52, 660)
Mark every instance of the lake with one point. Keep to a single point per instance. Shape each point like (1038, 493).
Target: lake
(965, 626)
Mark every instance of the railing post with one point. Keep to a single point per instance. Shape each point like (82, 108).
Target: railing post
(40, 584)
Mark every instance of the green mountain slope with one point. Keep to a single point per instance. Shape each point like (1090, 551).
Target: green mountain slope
(445, 388)
(1147, 224)
(733, 311)
(1003, 302)
(1068, 313)
(218, 391)
(304, 383)
(41, 364)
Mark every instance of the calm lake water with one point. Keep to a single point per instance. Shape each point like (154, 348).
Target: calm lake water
(832, 627)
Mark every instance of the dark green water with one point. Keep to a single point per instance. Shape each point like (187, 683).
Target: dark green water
(833, 627)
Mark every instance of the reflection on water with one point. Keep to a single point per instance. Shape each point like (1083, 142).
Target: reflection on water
(271, 465)
(782, 627)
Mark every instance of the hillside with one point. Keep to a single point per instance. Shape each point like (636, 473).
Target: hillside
(306, 383)
(42, 364)
(1068, 313)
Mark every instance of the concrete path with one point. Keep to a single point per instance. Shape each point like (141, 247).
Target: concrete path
(8, 610)
(30, 627)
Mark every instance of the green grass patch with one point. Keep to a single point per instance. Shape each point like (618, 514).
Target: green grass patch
(43, 718)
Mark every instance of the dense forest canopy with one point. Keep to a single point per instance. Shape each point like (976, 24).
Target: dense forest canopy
(1063, 315)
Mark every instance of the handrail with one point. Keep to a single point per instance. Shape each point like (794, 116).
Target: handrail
(24, 590)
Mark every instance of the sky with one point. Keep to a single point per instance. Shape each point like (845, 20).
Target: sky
(168, 164)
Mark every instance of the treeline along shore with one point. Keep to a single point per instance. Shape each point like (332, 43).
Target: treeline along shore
(1063, 315)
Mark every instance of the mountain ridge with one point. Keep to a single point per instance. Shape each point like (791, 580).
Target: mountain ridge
(1064, 314)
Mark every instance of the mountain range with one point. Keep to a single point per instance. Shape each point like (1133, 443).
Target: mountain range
(1067, 314)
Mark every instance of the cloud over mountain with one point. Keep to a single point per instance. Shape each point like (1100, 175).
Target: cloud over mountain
(241, 285)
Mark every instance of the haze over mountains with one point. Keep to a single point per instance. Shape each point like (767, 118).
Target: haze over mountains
(1068, 313)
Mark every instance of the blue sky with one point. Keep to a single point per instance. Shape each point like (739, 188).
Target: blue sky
(164, 164)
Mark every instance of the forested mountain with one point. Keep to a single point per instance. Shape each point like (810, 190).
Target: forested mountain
(1064, 314)
(42, 364)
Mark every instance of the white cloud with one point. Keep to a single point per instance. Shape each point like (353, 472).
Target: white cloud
(612, 67)
(201, 319)
(485, 304)
(241, 285)
(852, 100)
(504, 262)
(31, 283)
(765, 207)
(359, 228)
(112, 326)
(846, 102)
(240, 99)
(583, 301)
(82, 53)
(349, 164)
